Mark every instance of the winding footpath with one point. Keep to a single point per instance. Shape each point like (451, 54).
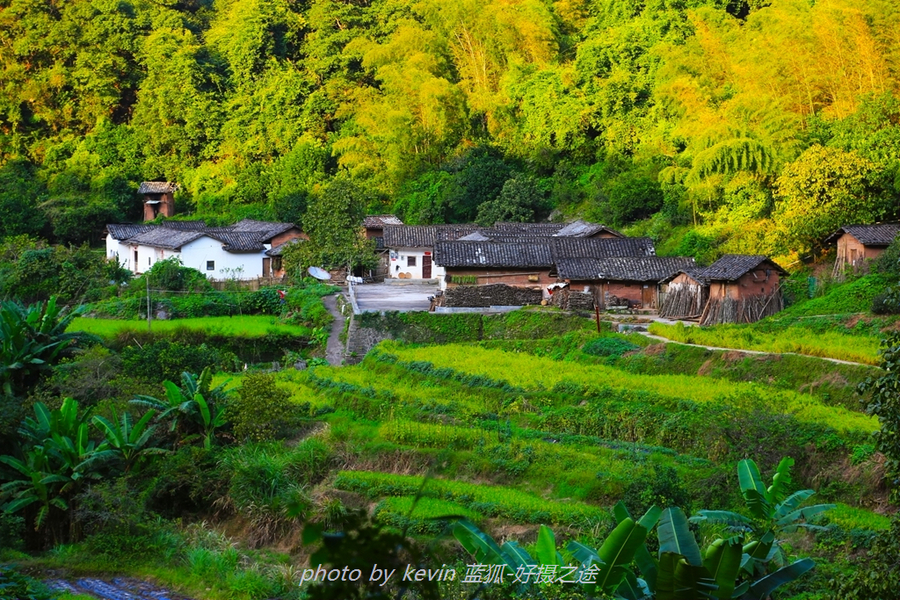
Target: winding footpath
(834, 360)
(334, 349)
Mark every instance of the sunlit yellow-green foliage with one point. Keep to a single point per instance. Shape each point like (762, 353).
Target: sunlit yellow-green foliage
(842, 346)
(701, 111)
(246, 326)
(849, 517)
(537, 373)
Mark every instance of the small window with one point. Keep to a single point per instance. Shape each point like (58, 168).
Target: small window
(410, 261)
(148, 260)
(210, 265)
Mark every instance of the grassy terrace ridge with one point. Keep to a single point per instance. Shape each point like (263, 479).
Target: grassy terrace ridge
(534, 373)
(489, 500)
(853, 347)
(247, 326)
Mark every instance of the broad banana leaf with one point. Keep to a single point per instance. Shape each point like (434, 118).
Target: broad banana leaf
(515, 556)
(723, 561)
(781, 481)
(546, 548)
(733, 520)
(477, 543)
(752, 489)
(788, 523)
(617, 552)
(679, 580)
(676, 538)
(762, 588)
(792, 503)
(642, 558)
(633, 588)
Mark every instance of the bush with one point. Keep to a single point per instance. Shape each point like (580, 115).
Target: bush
(607, 346)
(169, 274)
(163, 360)
(266, 490)
(189, 481)
(261, 410)
(889, 261)
(12, 528)
(662, 488)
(887, 302)
(18, 586)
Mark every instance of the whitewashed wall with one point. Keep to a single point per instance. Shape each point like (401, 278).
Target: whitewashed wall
(399, 263)
(197, 253)
(194, 255)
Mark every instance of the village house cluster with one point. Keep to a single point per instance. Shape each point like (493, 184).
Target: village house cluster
(577, 265)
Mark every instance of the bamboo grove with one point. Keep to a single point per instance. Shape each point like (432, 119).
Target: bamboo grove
(725, 125)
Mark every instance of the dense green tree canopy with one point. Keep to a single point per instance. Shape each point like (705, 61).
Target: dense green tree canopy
(613, 109)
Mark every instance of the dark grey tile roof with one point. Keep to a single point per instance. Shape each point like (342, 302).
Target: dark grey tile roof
(267, 229)
(246, 236)
(581, 228)
(157, 187)
(500, 238)
(424, 236)
(279, 249)
(478, 236)
(492, 255)
(695, 273)
(165, 237)
(646, 268)
(869, 235)
(379, 221)
(731, 266)
(124, 231)
(529, 229)
(575, 247)
(238, 241)
(185, 225)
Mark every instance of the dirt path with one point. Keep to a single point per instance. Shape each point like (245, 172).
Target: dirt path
(334, 350)
(834, 360)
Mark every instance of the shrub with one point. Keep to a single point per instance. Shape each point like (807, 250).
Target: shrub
(18, 586)
(266, 490)
(163, 360)
(169, 274)
(889, 261)
(887, 302)
(663, 488)
(189, 481)
(608, 346)
(262, 410)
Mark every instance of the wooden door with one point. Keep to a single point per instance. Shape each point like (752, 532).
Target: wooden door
(267, 267)
(426, 267)
(648, 297)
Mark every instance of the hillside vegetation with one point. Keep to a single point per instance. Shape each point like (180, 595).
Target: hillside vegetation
(760, 125)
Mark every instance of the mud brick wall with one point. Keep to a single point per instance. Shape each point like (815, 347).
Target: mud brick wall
(490, 295)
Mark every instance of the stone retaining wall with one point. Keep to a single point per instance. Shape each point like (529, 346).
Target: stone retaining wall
(490, 295)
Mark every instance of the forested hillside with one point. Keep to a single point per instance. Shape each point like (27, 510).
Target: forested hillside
(736, 125)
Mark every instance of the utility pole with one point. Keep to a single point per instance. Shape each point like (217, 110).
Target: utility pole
(147, 279)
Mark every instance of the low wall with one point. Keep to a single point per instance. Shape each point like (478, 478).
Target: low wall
(484, 296)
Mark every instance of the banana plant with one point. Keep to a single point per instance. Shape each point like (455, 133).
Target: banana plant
(129, 440)
(609, 563)
(60, 457)
(195, 402)
(685, 572)
(32, 338)
(211, 418)
(773, 510)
